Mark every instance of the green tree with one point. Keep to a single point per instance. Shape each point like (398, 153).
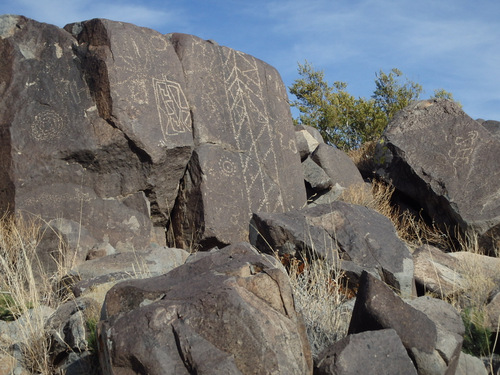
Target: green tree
(443, 94)
(392, 95)
(346, 121)
(342, 119)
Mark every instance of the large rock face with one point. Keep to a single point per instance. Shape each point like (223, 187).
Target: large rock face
(225, 312)
(246, 158)
(352, 237)
(84, 138)
(438, 156)
(98, 123)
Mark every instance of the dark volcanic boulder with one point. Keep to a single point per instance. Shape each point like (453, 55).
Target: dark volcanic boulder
(431, 330)
(229, 311)
(98, 122)
(493, 127)
(337, 165)
(86, 127)
(365, 239)
(373, 352)
(246, 158)
(449, 164)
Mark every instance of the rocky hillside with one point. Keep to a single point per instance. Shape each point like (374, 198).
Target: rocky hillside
(174, 194)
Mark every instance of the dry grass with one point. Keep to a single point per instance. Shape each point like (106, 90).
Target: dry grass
(478, 281)
(23, 280)
(320, 296)
(409, 227)
(28, 290)
(363, 157)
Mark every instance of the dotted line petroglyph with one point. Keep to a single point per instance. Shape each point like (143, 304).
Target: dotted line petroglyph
(227, 167)
(47, 125)
(77, 196)
(172, 106)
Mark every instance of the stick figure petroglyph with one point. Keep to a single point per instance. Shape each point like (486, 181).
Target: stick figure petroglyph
(465, 147)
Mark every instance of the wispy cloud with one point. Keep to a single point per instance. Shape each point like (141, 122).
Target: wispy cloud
(452, 44)
(61, 12)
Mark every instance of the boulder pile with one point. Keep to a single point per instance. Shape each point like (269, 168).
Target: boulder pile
(169, 168)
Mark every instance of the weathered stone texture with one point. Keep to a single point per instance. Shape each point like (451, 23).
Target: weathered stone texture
(246, 158)
(86, 126)
(355, 237)
(444, 160)
(374, 352)
(228, 311)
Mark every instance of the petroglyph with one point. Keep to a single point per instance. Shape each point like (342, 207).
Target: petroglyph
(71, 90)
(47, 125)
(251, 128)
(78, 196)
(172, 106)
(227, 166)
(465, 147)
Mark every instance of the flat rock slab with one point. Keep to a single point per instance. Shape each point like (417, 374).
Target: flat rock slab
(228, 311)
(450, 328)
(378, 307)
(444, 160)
(438, 272)
(359, 237)
(337, 165)
(246, 159)
(430, 330)
(375, 352)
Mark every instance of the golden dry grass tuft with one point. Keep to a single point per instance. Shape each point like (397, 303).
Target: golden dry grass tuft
(412, 229)
(477, 284)
(320, 296)
(28, 287)
(28, 293)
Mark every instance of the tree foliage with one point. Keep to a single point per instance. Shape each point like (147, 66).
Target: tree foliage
(346, 121)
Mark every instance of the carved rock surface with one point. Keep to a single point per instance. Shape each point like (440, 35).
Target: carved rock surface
(224, 312)
(85, 134)
(366, 240)
(246, 159)
(99, 120)
(438, 156)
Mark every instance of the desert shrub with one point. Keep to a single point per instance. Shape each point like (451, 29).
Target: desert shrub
(320, 295)
(478, 337)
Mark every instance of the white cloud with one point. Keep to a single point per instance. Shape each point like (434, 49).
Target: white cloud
(447, 44)
(61, 12)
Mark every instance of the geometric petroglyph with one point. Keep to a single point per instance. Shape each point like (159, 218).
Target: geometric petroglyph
(172, 106)
(227, 166)
(47, 125)
(251, 128)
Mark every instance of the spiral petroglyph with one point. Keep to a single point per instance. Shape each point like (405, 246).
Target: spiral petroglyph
(47, 125)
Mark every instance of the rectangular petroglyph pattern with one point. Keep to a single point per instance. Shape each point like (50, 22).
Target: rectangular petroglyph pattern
(173, 109)
(148, 78)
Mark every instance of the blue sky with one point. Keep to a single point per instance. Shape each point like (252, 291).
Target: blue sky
(450, 44)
